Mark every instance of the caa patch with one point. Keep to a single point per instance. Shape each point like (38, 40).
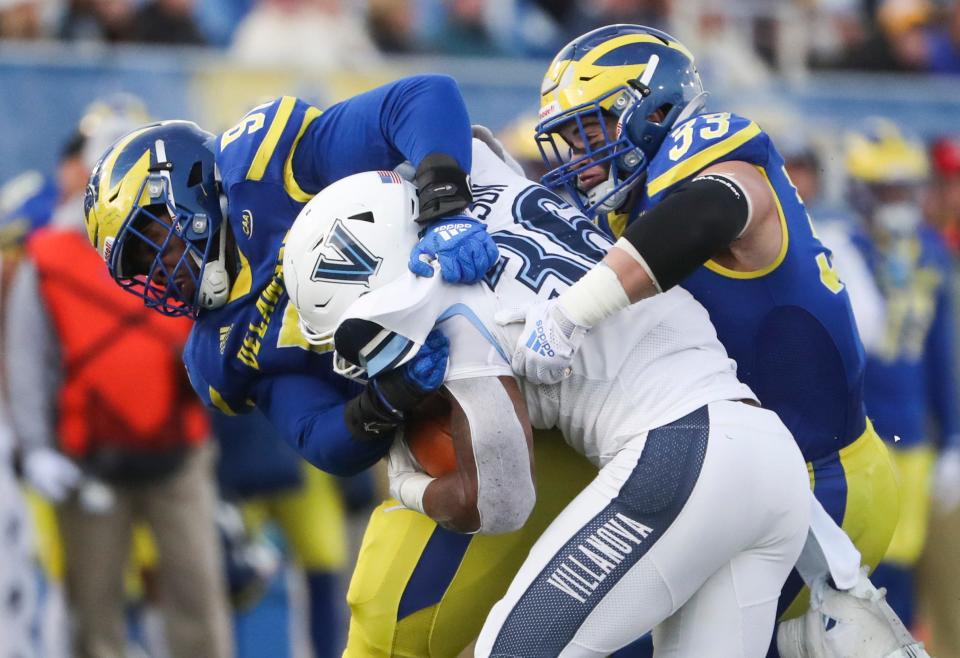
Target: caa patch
(549, 110)
(107, 248)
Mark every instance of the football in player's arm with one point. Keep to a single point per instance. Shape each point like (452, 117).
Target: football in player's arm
(491, 491)
(195, 223)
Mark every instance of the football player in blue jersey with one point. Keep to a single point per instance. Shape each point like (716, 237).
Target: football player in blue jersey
(904, 291)
(702, 200)
(194, 223)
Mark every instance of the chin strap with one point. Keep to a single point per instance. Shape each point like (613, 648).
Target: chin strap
(215, 282)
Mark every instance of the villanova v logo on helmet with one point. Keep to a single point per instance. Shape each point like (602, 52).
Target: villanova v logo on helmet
(344, 259)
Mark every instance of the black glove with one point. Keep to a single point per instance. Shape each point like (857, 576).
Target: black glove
(443, 187)
(380, 407)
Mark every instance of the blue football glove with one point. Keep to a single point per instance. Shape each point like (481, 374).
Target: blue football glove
(427, 369)
(461, 245)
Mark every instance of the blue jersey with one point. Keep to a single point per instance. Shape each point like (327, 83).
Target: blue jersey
(250, 352)
(790, 326)
(909, 373)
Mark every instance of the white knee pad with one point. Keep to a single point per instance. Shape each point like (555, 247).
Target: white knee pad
(847, 624)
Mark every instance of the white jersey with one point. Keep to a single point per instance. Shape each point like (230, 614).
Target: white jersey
(650, 364)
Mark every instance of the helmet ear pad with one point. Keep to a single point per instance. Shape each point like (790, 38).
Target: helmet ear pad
(214, 288)
(647, 135)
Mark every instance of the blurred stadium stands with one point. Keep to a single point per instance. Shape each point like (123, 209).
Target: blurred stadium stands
(45, 89)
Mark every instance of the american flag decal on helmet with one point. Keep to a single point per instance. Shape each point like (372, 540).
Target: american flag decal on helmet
(390, 177)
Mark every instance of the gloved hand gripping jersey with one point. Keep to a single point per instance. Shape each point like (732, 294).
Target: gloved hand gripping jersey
(386, 398)
(457, 241)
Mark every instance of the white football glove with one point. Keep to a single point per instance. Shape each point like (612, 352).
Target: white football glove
(52, 474)
(547, 344)
(841, 624)
(945, 487)
(407, 481)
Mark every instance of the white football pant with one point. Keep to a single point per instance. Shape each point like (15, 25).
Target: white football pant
(690, 530)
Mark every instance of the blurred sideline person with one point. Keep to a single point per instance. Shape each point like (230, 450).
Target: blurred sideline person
(701, 200)
(653, 402)
(30, 202)
(938, 579)
(110, 434)
(905, 308)
(807, 160)
(944, 202)
(45, 198)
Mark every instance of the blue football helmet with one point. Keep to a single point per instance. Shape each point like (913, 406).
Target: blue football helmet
(153, 193)
(627, 72)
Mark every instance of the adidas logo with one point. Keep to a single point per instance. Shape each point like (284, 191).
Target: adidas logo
(452, 230)
(224, 337)
(538, 341)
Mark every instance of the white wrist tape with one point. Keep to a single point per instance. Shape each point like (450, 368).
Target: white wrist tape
(626, 246)
(598, 295)
(411, 490)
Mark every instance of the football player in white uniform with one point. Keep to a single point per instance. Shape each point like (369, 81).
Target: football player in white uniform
(701, 504)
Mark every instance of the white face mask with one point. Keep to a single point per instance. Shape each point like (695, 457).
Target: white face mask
(899, 219)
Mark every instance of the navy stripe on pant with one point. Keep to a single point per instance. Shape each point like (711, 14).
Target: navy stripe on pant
(558, 601)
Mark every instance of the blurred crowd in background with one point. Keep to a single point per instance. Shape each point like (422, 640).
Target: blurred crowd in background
(875, 35)
(885, 196)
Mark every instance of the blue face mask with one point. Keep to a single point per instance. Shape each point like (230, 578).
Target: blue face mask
(153, 231)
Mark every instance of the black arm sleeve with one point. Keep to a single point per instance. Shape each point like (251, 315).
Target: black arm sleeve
(690, 225)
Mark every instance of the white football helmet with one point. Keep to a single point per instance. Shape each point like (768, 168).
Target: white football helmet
(353, 237)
